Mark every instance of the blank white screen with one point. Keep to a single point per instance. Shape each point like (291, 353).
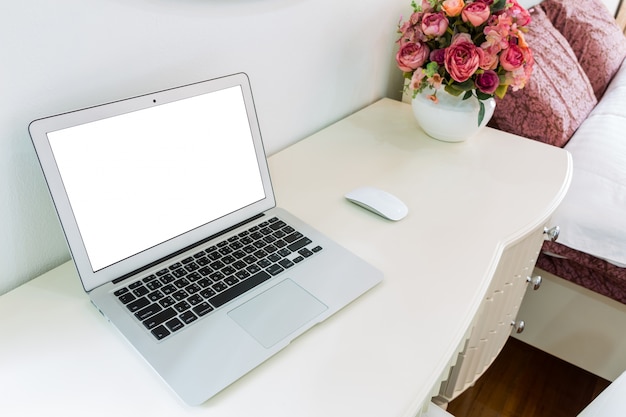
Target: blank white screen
(142, 178)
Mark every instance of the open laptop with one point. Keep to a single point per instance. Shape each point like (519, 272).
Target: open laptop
(167, 206)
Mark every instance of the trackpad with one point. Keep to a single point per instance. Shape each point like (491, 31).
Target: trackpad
(274, 314)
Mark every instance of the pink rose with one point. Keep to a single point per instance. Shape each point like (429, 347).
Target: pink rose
(412, 56)
(462, 57)
(519, 14)
(512, 58)
(487, 82)
(434, 24)
(488, 60)
(476, 13)
(519, 77)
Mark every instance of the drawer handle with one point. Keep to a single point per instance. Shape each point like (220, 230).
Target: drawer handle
(518, 326)
(551, 234)
(535, 281)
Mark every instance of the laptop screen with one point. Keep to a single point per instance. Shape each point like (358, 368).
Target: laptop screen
(141, 178)
(136, 180)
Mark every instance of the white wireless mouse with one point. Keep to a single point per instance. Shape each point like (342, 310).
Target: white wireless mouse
(378, 201)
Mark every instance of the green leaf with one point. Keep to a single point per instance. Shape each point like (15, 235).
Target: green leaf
(451, 89)
(501, 90)
(497, 6)
(481, 112)
(482, 96)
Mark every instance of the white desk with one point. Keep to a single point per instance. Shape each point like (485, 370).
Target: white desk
(380, 356)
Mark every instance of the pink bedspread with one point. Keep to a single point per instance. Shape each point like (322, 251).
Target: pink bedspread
(585, 270)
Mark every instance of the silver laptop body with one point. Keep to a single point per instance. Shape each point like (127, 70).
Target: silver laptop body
(148, 189)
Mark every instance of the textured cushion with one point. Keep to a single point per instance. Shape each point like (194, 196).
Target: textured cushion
(558, 96)
(594, 36)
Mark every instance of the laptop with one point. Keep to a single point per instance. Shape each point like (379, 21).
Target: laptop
(166, 203)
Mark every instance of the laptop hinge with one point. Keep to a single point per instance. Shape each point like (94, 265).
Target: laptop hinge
(183, 250)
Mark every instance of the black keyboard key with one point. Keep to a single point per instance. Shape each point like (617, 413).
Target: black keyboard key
(264, 263)
(316, 249)
(194, 276)
(205, 271)
(193, 288)
(167, 301)
(299, 244)
(275, 269)
(253, 269)
(188, 317)
(217, 265)
(243, 274)
(138, 304)
(160, 332)
(153, 285)
(228, 270)
(160, 318)
(202, 309)
(180, 272)
(181, 283)
(121, 291)
(126, 298)
(182, 306)
(167, 278)
(175, 325)
(231, 281)
(190, 267)
(155, 295)
(277, 225)
(208, 293)
(216, 276)
(148, 311)
(168, 289)
(286, 263)
(140, 291)
(195, 299)
(204, 282)
(150, 278)
(292, 237)
(228, 259)
(219, 286)
(235, 291)
(274, 257)
(202, 261)
(239, 265)
(180, 295)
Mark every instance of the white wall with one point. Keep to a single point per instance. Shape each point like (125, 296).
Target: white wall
(311, 62)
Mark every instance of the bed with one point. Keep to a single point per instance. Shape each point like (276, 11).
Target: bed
(576, 99)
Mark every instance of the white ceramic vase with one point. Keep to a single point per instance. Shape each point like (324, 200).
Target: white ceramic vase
(451, 119)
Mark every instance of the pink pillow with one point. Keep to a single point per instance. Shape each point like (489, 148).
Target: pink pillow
(594, 36)
(558, 96)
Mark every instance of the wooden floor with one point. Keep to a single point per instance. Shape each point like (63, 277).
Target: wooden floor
(526, 382)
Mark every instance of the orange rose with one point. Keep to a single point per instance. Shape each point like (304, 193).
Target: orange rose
(453, 7)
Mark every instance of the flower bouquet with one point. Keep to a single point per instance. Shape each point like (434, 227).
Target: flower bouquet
(472, 48)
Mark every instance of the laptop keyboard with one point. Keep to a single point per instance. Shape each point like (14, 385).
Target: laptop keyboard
(178, 295)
